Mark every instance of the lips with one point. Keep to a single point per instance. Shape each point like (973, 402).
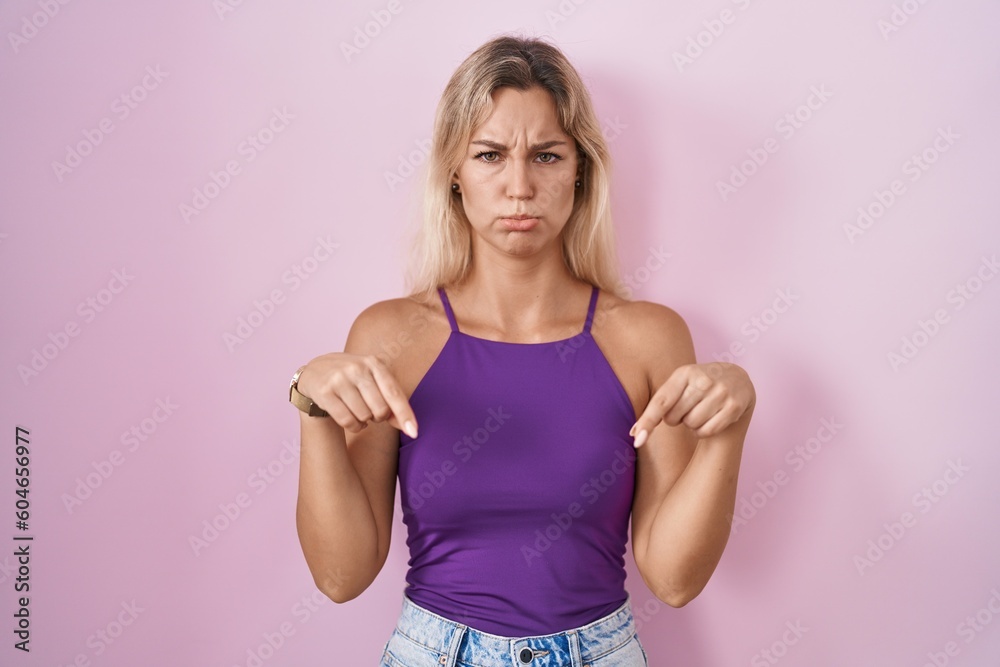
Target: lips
(519, 223)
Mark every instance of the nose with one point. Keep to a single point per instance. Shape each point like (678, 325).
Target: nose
(519, 184)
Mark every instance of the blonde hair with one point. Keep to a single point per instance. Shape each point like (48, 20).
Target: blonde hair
(442, 251)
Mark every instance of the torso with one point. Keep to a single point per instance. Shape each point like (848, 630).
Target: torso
(423, 330)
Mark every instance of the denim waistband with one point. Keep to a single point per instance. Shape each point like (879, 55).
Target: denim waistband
(457, 642)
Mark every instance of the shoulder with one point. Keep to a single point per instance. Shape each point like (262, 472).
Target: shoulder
(653, 334)
(391, 323)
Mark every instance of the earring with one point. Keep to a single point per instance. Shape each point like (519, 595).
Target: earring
(579, 183)
(454, 187)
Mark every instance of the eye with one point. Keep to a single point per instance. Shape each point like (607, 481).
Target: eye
(555, 158)
(479, 156)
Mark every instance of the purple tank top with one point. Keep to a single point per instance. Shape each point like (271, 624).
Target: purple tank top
(517, 492)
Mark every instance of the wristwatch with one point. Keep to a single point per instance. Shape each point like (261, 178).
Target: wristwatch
(302, 402)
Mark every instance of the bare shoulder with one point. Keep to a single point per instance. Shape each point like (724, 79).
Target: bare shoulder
(653, 336)
(402, 333)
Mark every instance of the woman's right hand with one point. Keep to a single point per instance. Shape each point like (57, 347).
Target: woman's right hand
(355, 390)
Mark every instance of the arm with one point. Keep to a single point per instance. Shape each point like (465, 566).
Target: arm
(686, 478)
(347, 477)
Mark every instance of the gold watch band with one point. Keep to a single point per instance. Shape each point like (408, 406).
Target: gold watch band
(301, 401)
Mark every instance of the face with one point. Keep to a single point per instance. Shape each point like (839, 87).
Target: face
(519, 162)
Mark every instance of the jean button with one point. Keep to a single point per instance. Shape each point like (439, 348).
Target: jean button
(525, 655)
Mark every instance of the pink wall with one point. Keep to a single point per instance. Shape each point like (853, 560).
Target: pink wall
(250, 114)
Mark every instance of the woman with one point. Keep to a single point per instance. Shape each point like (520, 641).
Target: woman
(505, 393)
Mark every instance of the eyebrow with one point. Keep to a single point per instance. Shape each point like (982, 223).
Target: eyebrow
(537, 147)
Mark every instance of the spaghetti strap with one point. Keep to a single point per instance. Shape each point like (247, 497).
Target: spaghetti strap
(590, 310)
(447, 309)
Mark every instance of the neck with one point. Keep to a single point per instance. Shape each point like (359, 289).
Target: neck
(518, 297)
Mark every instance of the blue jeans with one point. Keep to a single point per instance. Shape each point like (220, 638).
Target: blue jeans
(424, 639)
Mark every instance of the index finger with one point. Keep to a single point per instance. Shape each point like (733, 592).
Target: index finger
(659, 405)
(395, 398)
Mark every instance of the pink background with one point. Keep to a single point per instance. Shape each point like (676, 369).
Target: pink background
(676, 131)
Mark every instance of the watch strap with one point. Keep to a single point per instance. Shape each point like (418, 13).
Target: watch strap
(301, 401)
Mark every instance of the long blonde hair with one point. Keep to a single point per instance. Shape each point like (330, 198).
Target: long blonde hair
(442, 251)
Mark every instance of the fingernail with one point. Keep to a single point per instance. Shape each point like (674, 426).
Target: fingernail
(631, 431)
(641, 439)
(410, 429)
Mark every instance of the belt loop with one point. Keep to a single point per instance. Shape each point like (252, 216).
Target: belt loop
(456, 642)
(575, 657)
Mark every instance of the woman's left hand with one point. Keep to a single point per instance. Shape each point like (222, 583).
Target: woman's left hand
(707, 398)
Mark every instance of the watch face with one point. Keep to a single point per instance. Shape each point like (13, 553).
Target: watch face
(295, 378)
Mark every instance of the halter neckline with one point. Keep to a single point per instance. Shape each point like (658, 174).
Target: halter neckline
(591, 308)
